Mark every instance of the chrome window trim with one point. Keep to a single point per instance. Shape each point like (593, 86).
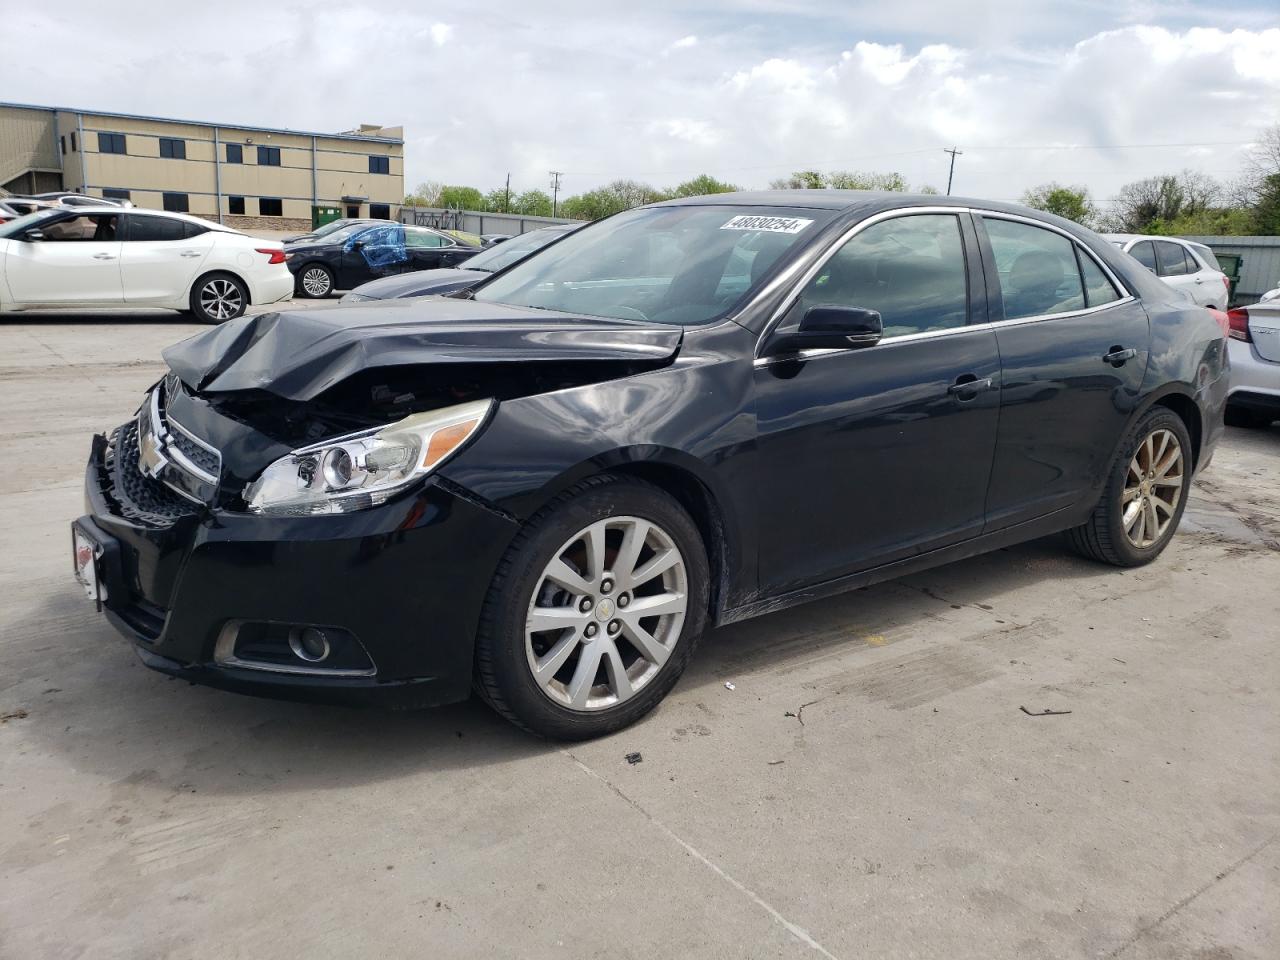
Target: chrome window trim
(1125, 295)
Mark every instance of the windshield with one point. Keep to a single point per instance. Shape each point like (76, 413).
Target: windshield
(26, 222)
(517, 248)
(679, 265)
(332, 227)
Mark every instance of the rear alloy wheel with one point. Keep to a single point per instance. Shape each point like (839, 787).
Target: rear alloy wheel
(315, 282)
(219, 298)
(594, 612)
(1145, 495)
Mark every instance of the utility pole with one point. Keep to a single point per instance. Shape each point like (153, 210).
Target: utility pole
(555, 192)
(506, 202)
(952, 172)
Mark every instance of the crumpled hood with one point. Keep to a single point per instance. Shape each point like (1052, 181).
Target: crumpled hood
(300, 354)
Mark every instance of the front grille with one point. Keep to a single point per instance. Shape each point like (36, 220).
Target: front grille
(172, 454)
(204, 458)
(139, 497)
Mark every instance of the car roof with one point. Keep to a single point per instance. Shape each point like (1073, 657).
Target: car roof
(87, 211)
(863, 201)
(1126, 237)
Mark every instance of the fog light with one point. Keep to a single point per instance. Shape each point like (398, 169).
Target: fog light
(309, 644)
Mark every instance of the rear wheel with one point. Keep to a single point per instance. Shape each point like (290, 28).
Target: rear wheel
(1145, 494)
(219, 297)
(594, 612)
(315, 281)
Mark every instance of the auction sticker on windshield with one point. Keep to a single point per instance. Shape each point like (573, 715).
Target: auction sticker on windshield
(768, 224)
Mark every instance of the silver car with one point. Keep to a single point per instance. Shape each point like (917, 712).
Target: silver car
(1254, 349)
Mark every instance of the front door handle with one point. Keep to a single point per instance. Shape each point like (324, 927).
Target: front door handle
(1119, 355)
(968, 386)
(104, 256)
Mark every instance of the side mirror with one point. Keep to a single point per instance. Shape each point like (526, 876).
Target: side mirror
(831, 327)
(33, 235)
(357, 244)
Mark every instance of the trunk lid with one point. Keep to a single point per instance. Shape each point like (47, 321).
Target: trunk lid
(1264, 328)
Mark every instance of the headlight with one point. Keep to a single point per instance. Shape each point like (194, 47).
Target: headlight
(364, 469)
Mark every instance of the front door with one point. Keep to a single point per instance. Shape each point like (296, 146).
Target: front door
(876, 454)
(1074, 352)
(77, 261)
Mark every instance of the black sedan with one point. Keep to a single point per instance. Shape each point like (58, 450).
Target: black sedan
(426, 282)
(333, 226)
(361, 252)
(686, 414)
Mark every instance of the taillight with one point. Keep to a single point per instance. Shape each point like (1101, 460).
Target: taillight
(1223, 321)
(1239, 324)
(273, 256)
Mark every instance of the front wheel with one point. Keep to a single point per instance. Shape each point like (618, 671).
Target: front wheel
(315, 281)
(1145, 494)
(218, 298)
(594, 611)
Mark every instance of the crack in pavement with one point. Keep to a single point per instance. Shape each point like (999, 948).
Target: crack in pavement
(796, 931)
(1218, 878)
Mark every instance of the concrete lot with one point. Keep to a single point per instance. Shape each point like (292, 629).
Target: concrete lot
(870, 787)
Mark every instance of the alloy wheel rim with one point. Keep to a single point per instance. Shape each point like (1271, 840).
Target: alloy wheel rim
(316, 282)
(1152, 489)
(221, 299)
(606, 613)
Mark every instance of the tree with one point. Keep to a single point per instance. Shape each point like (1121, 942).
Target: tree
(426, 194)
(497, 200)
(610, 199)
(840, 180)
(702, 185)
(800, 180)
(532, 203)
(1164, 198)
(461, 198)
(1073, 203)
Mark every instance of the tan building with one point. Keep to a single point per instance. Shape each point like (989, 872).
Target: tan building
(242, 176)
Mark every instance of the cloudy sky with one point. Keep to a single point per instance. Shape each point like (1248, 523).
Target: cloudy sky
(1097, 92)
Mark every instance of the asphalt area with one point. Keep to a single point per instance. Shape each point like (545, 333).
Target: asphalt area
(853, 778)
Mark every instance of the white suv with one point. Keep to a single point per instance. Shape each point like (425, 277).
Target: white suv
(1189, 266)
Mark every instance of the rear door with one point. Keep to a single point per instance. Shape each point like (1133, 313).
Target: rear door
(426, 249)
(161, 256)
(1073, 350)
(77, 261)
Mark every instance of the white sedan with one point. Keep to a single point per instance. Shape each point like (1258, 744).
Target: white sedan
(109, 257)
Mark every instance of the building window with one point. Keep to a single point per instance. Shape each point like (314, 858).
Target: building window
(379, 164)
(175, 202)
(111, 143)
(112, 194)
(380, 211)
(268, 156)
(74, 146)
(235, 153)
(235, 205)
(62, 142)
(270, 207)
(172, 149)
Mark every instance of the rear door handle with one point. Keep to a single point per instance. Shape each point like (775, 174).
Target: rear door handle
(104, 256)
(189, 253)
(968, 386)
(1119, 355)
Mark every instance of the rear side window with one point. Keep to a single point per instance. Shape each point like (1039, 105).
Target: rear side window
(1098, 289)
(423, 238)
(1145, 254)
(1206, 256)
(910, 269)
(1038, 272)
(1173, 259)
(142, 228)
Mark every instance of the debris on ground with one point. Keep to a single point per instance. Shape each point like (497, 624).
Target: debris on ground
(18, 714)
(728, 685)
(1046, 712)
(633, 758)
(774, 763)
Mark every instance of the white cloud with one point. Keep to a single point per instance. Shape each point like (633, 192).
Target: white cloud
(440, 33)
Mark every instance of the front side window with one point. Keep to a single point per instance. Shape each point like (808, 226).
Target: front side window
(1173, 259)
(1038, 272)
(172, 149)
(910, 269)
(145, 228)
(268, 156)
(235, 153)
(176, 202)
(98, 227)
(270, 207)
(1098, 289)
(1145, 253)
(111, 143)
(419, 239)
(677, 265)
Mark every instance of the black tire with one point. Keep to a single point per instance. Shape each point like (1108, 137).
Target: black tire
(503, 676)
(1249, 419)
(218, 297)
(1102, 537)
(323, 285)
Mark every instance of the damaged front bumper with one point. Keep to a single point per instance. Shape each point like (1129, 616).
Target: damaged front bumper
(391, 595)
